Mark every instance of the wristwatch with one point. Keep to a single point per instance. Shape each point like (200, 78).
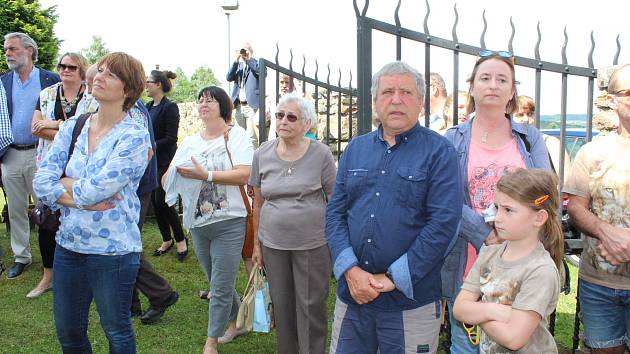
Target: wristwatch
(389, 276)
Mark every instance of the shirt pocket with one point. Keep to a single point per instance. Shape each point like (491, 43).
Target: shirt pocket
(412, 185)
(356, 182)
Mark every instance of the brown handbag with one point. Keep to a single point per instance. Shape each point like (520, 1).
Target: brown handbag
(248, 245)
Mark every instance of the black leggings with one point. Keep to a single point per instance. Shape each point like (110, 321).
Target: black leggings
(47, 246)
(167, 217)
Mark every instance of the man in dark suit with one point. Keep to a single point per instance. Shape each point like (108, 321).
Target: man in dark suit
(22, 85)
(244, 74)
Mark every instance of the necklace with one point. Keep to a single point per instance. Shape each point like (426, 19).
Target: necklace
(484, 137)
(69, 106)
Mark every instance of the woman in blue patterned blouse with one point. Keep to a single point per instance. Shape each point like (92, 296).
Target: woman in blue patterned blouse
(99, 243)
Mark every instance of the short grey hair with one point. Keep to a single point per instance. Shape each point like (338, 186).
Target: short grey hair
(438, 82)
(398, 68)
(306, 107)
(26, 40)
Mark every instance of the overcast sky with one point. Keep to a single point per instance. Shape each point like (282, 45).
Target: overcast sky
(189, 34)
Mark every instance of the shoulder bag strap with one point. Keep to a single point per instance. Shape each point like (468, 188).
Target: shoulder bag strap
(76, 131)
(226, 138)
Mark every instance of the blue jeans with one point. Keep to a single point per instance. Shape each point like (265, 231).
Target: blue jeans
(109, 280)
(605, 313)
(460, 344)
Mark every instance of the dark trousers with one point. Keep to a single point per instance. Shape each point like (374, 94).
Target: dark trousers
(166, 216)
(148, 281)
(47, 246)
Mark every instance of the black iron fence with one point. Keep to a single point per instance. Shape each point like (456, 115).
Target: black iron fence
(333, 103)
(366, 26)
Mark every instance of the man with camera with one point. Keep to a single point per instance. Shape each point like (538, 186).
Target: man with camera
(244, 73)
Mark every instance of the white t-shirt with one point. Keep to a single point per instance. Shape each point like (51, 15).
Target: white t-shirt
(207, 202)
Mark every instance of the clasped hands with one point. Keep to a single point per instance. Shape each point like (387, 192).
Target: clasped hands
(614, 244)
(365, 287)
(103, 205)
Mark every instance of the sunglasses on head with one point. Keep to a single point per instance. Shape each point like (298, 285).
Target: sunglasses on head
(623, 93)
(62, 67)
(290, 116)
(484, 53)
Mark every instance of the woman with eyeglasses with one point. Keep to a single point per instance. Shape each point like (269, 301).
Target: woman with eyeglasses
(293, 178)
(56, 104)
(490, 144)
(165, 117)
(206, 172)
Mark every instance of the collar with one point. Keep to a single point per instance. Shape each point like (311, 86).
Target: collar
(400, 138)
(34, 73)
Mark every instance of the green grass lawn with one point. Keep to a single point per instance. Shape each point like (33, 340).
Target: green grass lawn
(27, 325)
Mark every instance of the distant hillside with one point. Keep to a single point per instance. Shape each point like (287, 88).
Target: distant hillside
(553, 121)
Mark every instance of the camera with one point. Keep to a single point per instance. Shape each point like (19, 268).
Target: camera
(243, 51)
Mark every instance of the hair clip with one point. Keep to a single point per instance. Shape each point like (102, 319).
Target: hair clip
(541, 200)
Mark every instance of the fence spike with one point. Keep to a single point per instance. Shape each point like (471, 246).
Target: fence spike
(339, 81)
(350, 81)
(537, 47)
(564, 46)
(426, 18)
(616, 60)
(455, 24)
(291, 59)
(316, 69)
(365, 7)
(303, 64)
(356, 8)
(277, 52)
(328, 77)
(485, 28)
(510, 48)
(590, 53)
(396, 18)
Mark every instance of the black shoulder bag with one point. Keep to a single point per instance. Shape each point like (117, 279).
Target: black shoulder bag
(41, 214)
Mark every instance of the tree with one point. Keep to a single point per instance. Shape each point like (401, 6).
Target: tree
(96, 50)
(28, 17)
(186, 90)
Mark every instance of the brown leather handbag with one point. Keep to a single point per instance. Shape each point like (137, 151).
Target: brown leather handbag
(248, 245)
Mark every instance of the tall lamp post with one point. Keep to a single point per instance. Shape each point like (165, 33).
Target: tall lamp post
(229, 7)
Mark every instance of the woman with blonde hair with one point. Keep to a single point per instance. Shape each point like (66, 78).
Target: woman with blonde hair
(56, 104)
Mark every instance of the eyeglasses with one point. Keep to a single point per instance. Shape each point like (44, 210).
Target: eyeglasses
(473, 333)
(71, 68)
(290, 116)
(484, 53)
(204, 99)
(623, 93)
(150, 82)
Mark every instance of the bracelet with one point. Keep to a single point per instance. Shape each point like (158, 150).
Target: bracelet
(79, 206)
(209, 179)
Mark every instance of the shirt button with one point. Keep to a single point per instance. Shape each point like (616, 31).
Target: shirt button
(371, 215)
(410, 177)
(366, 262)
(355, 173)
(377, 194)
(405, 138)
(389, 151)
(382, 171)
(369, 240)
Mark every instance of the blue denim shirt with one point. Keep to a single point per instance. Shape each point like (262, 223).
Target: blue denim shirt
(395, 208)
(473, 227)
(24, 96)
